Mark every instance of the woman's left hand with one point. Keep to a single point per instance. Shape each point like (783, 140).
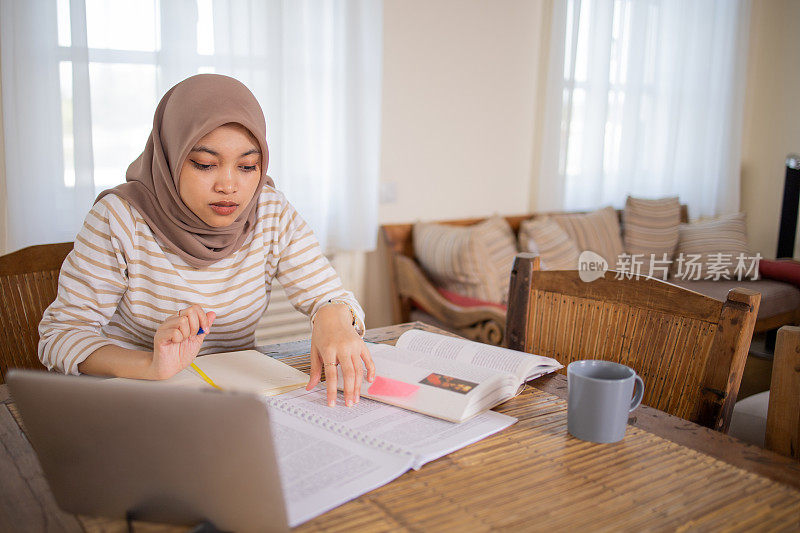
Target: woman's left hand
(334, 341)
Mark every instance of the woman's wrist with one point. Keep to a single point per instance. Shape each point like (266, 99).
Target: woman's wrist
(152, 373)
(332, 314)
(354, 320)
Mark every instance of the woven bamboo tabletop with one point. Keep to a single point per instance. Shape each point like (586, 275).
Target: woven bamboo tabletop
(531, 476)
(535, 476)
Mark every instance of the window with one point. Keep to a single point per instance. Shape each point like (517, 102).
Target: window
(117, 65)
(650, 99)
(82, 78)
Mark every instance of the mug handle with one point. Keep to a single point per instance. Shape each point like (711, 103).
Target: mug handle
(638, 393)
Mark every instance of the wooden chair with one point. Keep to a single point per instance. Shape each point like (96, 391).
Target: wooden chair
(783, 414)
(689, 349)
(28, 284)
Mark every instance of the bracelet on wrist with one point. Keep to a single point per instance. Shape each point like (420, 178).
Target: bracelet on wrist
(338, 301)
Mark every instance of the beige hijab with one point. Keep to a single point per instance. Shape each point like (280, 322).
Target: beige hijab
(186, 113)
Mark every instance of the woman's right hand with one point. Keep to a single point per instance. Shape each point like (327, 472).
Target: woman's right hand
(176, 342)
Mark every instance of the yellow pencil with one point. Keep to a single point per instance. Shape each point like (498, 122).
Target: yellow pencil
(205, 377)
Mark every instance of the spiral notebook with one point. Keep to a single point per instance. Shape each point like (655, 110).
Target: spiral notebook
(328, 456)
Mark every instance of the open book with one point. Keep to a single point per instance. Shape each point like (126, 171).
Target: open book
(448, 377)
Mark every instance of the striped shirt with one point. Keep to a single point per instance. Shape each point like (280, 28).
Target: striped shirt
(120, 283)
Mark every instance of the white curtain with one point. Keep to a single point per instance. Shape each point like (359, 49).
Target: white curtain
(644, 97)
(81, 79)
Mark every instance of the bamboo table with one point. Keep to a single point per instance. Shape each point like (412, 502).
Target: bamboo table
(666, 474)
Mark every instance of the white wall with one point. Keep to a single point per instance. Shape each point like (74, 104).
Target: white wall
(771, 122)
(459, 78)
(459, 96)
(3, 200)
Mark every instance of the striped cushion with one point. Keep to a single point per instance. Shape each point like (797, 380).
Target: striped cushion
(650, 229)
(651, 226)
(473, 261)
(597, 231)
(723, 235)
(544, 237)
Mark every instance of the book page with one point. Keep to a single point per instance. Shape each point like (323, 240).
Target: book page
(523, 365)
(388, 427)
(320, 470)
(421, 363)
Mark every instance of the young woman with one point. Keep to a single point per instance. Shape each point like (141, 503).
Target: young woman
(179, 261)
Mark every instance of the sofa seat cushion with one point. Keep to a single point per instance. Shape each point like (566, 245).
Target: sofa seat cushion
(465, 301)
(776, 296)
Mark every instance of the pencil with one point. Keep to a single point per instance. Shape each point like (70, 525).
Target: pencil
(205, 377)
(203, 374)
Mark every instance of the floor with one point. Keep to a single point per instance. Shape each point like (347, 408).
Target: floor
(758, 369)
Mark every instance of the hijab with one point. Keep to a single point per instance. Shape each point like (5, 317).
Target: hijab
(186, 113)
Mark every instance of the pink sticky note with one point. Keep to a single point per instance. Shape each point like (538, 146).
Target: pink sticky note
(391, 387)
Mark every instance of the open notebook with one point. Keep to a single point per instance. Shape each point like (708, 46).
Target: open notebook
(243, 371)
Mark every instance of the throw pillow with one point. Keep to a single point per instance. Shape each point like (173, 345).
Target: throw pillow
(543, 236)
(650, 229)
(473, 261)
(787, 270)
(711, 249)
(597, 231)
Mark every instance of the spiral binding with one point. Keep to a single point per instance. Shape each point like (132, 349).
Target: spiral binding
(337, 428)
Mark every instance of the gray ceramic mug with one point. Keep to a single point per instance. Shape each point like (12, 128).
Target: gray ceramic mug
(600, 399)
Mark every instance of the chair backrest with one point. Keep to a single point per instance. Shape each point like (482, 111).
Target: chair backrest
(28, 284)
(783, 415)
(690, 349)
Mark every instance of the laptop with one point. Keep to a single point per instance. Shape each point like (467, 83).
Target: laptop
(153, 453)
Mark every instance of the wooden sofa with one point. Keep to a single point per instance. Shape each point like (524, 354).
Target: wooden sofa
(412, 291)
(414, 296)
